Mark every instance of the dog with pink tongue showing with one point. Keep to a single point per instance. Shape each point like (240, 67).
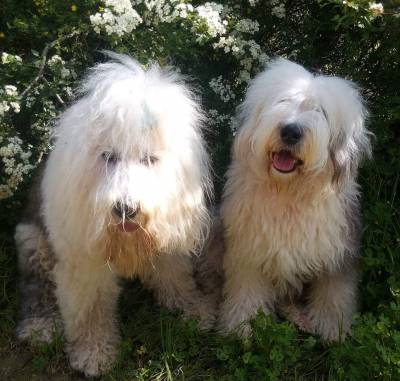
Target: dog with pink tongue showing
(290, 210)
(123, 193)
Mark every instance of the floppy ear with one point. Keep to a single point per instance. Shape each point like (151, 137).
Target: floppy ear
(351, 144)
(247, 120)
(344, 166)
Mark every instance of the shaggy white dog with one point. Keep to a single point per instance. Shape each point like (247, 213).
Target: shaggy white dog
(290, 208)
(123, 194)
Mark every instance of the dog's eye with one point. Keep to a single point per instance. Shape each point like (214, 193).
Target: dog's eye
(149, 160)
(325, 113)
(110, 157)
(322, 111)
(282, 100)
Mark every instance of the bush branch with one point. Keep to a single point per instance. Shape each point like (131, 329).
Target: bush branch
(44, 54)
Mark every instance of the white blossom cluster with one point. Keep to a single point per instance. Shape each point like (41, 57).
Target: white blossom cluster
(7, 58)
(223, 90)
(9, 94)
(11, 90)
(120, 17)
(247, 26)
(215, 118)
(158, 11)
(211, 14)
(248, 53)
(278, 10)
(16, 158)
(182, 10)
(15, 162)
(376, 8)
(9, 100)
(117, 18)
(56, 63)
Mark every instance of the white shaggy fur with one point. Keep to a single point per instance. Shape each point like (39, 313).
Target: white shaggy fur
(133, 138)
(292, 238)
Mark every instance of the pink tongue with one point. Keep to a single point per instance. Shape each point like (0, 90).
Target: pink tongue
(128, 226)
(284, 161)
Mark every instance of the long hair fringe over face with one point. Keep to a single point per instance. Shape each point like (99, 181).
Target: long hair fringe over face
(132, 139)
(328, 110)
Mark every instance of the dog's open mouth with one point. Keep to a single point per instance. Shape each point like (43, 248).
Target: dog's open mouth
(284, 161)
(128, 226)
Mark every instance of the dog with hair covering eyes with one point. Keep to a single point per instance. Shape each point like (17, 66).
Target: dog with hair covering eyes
(290, 209)
(123, 194)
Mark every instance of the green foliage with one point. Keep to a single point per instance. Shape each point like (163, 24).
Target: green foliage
(48, 44)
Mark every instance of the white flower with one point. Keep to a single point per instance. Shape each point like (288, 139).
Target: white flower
(279, 11)
(4, 107)
(65, 72)
(55, 60)
(118, 18)
(254, 48)
(10, 58)
(215, 118)
(15, 106)
(247, 26)
(183, 10)
(211, 14)
(376, 8)
(11, 90)
(56, 63)
(15, 162)
(224, 91)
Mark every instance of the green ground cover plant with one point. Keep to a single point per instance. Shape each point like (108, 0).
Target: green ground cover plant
(46, 46)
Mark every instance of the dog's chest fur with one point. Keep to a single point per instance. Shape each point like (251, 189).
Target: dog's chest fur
(299, 243)
(290, 241)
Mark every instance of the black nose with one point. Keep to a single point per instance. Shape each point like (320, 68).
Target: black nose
(126, 211)
(291, 133)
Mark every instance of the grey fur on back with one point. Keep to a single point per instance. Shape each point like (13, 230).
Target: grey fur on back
(38, 309)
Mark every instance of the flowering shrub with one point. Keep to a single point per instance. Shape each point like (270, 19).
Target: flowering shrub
(46, 45)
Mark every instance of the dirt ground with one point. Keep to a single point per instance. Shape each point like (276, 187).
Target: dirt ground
(17, 365)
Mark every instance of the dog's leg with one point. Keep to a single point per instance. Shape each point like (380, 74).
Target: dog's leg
(245, 292)
(331, 304)
(39, 312)
(171, 278)
(87, 293)
(207, 266)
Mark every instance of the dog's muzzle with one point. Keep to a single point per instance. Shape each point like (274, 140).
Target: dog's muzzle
(127, 213)
(284, 160)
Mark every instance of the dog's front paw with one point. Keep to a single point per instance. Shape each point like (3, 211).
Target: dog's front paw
(298, 316)
(205, 312)
(93, 359)
(242, 328)
(40, 329)
(328, 325)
